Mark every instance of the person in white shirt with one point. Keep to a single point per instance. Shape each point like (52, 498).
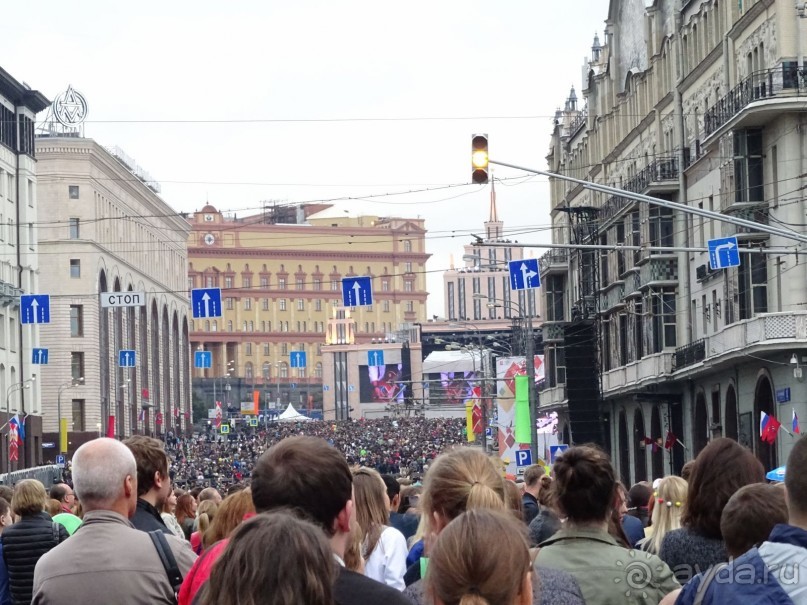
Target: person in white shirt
(384, 547)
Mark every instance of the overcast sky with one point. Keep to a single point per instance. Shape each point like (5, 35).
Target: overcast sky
(240, 102)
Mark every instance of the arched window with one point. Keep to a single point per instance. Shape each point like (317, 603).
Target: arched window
(318, 370)
(215, 325)
(407, 245)
(230, 325)
(266, 370)
(248, 370)
(207, 326)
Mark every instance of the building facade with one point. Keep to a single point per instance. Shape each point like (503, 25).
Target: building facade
(698, 102)
(280, 272)
(19, 264)
(104, 228)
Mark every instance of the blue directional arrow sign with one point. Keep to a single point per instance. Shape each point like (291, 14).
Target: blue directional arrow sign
(35, 309)
(203, 359)
(524, 274)
(357, 291)
(297, 359)
(39, 357)
(723, 252)
(555, 451)
(127, 358)
(523, 457)
(206, 302)
(375, 358)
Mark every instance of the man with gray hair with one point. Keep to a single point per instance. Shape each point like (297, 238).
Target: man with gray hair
(107, 559)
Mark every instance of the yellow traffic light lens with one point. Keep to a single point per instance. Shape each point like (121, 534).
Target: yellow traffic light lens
(480, 159)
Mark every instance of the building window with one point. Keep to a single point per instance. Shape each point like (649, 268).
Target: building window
(554, 298)
(334, 285)
(79, 414)
(284, 370)
(318, 305)
(74, 228)
(266, 370)
(284, 348)
(408, 267)
(248, 349)
(266, 348)
(407, 245)
(661, 226)
(246, 281)
(300, 304)
(385, 306)
(75, 267)
(215, 325)
(452, 309)
(317, 284)
(247, 303)
(282, 304)
(410, 306)
(300, 284)
(753, 281)
(76, 320)
(77, 365)
(209, 281)
(461, 298)
(228, 281)
(265, 304)
(264, 282)
(748, 178)
(663, 311)
(248, 374)
(228, 302)
(230, 325)
(385, 285)
(318, 370)
(72, 192)
(281, 283)
(408, 286)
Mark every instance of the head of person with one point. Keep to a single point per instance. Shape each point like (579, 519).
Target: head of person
(410, 499)
(105, 477)
(686, 470)
(275, 554)
(513, 498)
(312, 478)
(53, 507)
(668, 506)
(459, 480)
(480, 557)
(64, 494)
(186, 507)
(585, 485)
(371, 505)
(6, 492)
(206, 513)
(796, 484)
(638, 498)
(750, 515)
(153, 482)
(393, 491)
(546, 497)
(6, 518)
(722, 467)
(30, 498)
(209, 493)
(234, 508)
(170, 505)
(532, 479)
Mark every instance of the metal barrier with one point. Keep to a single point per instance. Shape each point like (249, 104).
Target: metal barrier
(48, 475)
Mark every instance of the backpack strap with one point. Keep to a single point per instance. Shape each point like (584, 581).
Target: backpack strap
(167, 559)
(707, 579)
(54, 528)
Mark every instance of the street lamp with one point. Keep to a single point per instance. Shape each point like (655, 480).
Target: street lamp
(529, 352)
(17, 386)
(67, 385)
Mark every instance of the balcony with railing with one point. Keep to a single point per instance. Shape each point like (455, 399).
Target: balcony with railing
(555, 260)
(651, 369)
(783, 83)
(689, 355)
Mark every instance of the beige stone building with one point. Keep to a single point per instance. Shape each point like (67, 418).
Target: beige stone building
(104, 228)
(699, 102)
(280, 272)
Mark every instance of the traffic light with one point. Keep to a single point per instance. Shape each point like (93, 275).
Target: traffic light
(479, 159)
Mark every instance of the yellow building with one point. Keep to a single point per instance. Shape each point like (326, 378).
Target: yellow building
(280, 272)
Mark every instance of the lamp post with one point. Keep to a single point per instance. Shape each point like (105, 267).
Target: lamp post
(67, 385)
(529, 353)
(17, 386)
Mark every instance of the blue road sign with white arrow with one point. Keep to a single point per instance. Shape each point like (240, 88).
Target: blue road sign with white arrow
(297, 359)
(203, 359)
(375, 357)
(723, 252)
(523, 458)
(206, 302)
(524, 274)
(35, 309)
(39, 357)
(555, 451)
(127, 358)
(357, 291)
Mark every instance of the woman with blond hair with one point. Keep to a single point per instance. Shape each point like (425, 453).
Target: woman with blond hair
(481, 557)
(206, 514)
(461, 480)
(668, 506)
(233, 511)
(384, 547)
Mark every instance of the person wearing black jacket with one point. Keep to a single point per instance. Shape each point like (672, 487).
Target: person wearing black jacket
(28, 539)
(153, 483)
(532, 487)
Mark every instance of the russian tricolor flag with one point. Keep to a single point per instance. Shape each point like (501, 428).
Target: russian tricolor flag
(794, 426)
(768, 427)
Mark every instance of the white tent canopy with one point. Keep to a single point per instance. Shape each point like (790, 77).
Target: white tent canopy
(292, 415)
(452, 361)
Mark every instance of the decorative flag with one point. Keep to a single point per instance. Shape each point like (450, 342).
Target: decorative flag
(218, 414)
(19, 425)
(141, 415)
(669, 442)
(523, 420)
(12, 442)
(794, 426)
(768, 427)
(110, 426)
(158, 419)
(469, 421)
(187, 415)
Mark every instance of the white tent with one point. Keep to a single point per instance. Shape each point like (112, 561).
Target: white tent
(292, 415)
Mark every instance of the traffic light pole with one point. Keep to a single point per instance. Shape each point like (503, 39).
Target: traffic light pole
(738, 222)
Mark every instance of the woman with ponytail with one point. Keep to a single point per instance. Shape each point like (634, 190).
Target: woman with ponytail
(462, 480)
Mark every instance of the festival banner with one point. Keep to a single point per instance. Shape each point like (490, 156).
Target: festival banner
(507, 368)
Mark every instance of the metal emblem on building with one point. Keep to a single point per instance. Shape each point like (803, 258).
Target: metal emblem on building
(70, 108)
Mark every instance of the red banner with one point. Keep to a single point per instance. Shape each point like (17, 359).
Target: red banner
(110, 427)
(158, 419)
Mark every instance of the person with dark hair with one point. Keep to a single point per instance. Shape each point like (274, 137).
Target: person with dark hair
(153, 483)
(770, 572)
(586, 491)
(273, 558)
(722, 467)
(547, 522)
(406, 524)
(186, 513)
(532, 488)
(686, 470)
(312, 479)
(64, 494)
(639, 497)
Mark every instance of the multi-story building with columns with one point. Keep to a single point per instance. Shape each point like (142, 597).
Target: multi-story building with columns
(701, 103)
(104, 228)
(280, 272)
(19, 379)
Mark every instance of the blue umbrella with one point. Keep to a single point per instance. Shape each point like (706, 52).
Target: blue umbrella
(777, 474)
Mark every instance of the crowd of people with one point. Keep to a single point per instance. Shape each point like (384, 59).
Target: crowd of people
(310, 521)
(402, 446)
